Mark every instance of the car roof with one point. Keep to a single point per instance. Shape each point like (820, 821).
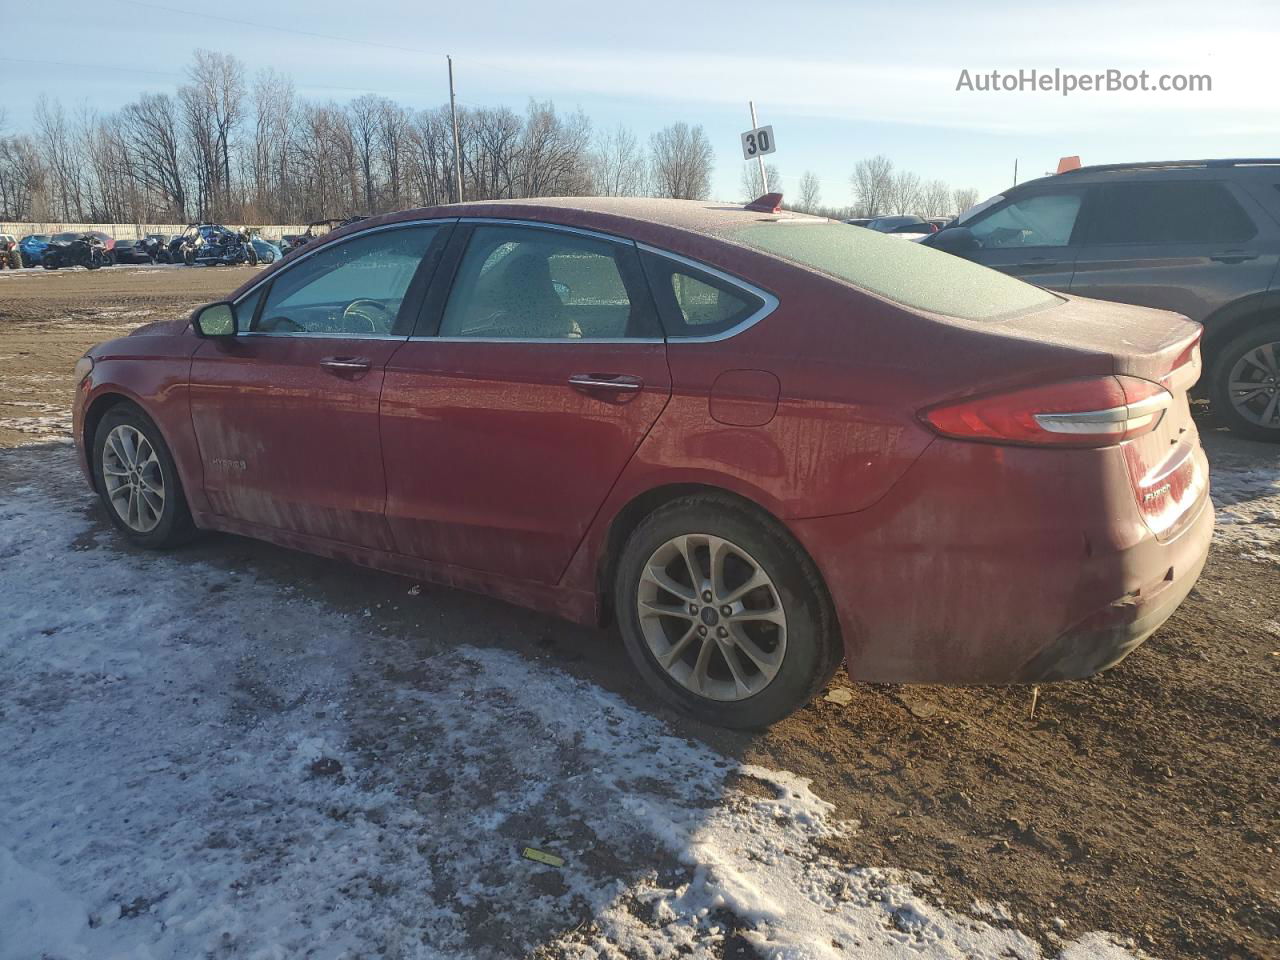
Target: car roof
(1247, 167)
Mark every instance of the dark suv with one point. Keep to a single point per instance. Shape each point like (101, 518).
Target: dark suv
(1200, 237)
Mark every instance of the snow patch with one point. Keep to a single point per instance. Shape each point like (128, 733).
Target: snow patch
(200, 762)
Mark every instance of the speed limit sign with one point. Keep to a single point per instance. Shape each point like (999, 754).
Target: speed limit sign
(757, 142)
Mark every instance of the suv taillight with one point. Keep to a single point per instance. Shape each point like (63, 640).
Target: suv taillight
(1092, 412)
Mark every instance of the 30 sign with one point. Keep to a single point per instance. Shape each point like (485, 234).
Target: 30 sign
(757, 142)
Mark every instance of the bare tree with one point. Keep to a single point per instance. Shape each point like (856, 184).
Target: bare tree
(618, 165)
(935, 199)
(905, 192)
(872, 183)
(213, 106)
(751, 184)
(810, 192)
(363, 115)
(53, 132)
(680, 159)
(393, 125)
(963, 199)
(151, 128)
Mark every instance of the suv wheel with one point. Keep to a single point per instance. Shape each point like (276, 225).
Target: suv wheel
(1245, 383)
(723, 614)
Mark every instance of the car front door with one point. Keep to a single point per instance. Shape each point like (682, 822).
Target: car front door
(1185, 245)
(534, 377)
(286, 411)
(1031, 236)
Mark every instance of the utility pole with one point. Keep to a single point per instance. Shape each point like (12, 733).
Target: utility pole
(1015, 171)
(764, 176)
(457, 159)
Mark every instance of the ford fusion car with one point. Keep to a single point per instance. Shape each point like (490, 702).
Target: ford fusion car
(760, 443)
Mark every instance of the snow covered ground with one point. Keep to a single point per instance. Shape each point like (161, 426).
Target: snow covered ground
(196, 761)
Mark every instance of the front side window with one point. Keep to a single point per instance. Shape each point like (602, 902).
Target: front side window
(354, 288)
(526, 283)
(1044, 220)
(1170, 212)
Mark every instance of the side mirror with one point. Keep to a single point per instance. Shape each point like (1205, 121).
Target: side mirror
(216, 320)
(957, 241)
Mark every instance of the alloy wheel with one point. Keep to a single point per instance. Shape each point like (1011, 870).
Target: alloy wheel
(133, 478)
(1254, 385)
(712, 617)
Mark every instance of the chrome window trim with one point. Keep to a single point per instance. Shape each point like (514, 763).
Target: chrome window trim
(317, 335)
(318, 249)
(596, 340)
(545, 225)
(769, 301)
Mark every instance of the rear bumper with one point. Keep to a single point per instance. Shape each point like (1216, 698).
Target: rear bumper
(988, 565)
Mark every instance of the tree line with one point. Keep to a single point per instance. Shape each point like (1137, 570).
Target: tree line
(225, 147)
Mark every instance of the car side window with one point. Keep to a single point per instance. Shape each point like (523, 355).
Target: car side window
(1169, 212)
(529, 283)
(354, 288)
(1042, 220)
(695, 303)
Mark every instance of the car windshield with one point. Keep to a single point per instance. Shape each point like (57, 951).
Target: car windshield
(42, 237)
(67, 237)
(905, 273)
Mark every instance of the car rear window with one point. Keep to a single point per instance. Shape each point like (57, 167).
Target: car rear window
(898, 270)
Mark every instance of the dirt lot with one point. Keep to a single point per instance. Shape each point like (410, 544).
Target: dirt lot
(1143, 802)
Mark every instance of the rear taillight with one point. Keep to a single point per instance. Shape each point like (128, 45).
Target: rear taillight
(1093, 412)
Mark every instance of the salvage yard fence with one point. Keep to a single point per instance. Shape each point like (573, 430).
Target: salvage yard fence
(136, 231)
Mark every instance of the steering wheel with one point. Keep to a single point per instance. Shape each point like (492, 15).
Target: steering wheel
(370, 312)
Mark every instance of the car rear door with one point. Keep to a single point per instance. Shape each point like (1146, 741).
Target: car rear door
(1187, 245)
(537, 369)
(286, 411)
(1033, 236)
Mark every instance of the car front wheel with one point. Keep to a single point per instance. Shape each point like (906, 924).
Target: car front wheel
(138, 481)
(723, 614)
(1245, 383)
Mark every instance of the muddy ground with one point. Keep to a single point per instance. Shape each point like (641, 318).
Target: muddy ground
(1143, 802)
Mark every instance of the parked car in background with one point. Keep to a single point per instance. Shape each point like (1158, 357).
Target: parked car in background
(907, 226)
(317, 229)
(858, 221)
(77, 249)
(133, 251)
(32, 247)
(10, 255)
(761, 444)
(267, 251)
(1201, 238)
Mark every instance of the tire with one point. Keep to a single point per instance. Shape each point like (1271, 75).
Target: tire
(253, 257)
(806, 638)
(1246, 357)
(156, 528)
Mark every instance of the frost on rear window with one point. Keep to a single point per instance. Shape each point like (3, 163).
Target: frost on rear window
(899, 270)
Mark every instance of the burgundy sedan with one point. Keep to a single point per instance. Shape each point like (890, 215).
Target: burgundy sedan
(760, 442)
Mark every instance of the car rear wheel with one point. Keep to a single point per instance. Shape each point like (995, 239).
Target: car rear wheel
(138, 481)
(723, 614)
(1245, 383)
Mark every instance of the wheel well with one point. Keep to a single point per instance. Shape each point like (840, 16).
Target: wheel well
(93, 416)
(1231, 323)
(633, 514)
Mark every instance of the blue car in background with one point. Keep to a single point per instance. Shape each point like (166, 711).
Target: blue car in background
(267, 251)
(32, 248)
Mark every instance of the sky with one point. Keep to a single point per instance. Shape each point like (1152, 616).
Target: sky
(838, 81)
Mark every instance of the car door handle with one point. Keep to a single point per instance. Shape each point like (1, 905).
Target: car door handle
(606, 382)
(1038, 262)
(346, 364)
(1233, 256)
